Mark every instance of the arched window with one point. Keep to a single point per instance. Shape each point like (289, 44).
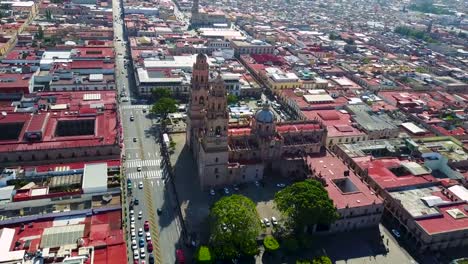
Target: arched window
(216, 170)
(202, 100)
(218, 131)
(216, 159)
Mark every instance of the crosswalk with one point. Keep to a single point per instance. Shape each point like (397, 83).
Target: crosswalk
(153, 174)
(125, 107)
(143, 163)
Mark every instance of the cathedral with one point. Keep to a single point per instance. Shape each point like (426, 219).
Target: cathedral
(227, 155)
(208, 18)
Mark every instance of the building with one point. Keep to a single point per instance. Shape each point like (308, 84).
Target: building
(357, 205)
(229, 155)
(375, 125)
(206, 17)
(63, 126)
(339, 126)
(251, 47)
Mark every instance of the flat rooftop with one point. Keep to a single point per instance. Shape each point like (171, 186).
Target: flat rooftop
(369, 147)
(344, 187)
(446, 146)
(370, 121)
(391, 173)
(413, 202)
(94, 111)
(338, 122)
(452, 217)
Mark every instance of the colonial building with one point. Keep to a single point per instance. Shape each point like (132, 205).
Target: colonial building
(229, 155)
(206, 17)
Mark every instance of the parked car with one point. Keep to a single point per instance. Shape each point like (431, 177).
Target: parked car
(135, 139)
(139, 168)
(150, 246)
(148, 236)
(136, 202)
(274, 222)
(140, 215)
(266, 221)
(136, 256)
(257, 183)
(146, 226)
(134, 244)
(212, 192)
(159, 211)
(140, 185)
(281, 185)
(141, 242)
(226, 191)
(396, 233)
(132, 118)
(151, 259)
(140, 231)
(142, 253)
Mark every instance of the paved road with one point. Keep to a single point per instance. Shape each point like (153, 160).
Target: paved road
(143, 160)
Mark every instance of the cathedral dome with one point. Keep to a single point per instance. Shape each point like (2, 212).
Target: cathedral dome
(265, 115)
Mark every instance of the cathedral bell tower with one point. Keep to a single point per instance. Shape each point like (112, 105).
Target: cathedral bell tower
(214, 151)
(197, 101)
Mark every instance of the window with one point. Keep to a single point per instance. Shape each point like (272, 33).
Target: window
(217, 176)
(216, 159)
(216, 170)
(230, 172)
(243, 176)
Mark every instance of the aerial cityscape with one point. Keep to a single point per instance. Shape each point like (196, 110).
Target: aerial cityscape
(234, 131)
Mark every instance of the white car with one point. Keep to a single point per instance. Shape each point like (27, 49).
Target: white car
(140, 215)
(140, 232)
(135, 255)
(257, 183)
(212, 192)
(280, 185)
(139, 168)
(132, 212)
(132, 227)
(274, 221)
(134, 244)
(140, 185)
(133, 235)
(226, 191)
(142, 252)
(148, 236)
(132, 219)
(266, 221)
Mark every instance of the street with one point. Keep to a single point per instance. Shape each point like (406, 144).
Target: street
(143, 162)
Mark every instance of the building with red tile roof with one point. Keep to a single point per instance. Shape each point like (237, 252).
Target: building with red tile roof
(339, 126)
(14, 83)
(97, 238)
(357, 205)
(70, 126)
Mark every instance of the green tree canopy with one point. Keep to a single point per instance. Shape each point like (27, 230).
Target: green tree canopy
(305, 204)
(235, 226)
(270, 243)
(203, 255)
(232, 99)
(161, 93)
(164, 106)
(322, 260)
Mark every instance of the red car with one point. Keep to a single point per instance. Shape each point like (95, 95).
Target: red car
(150, 246)
(146, 226)
(136, 261)
(180, 256)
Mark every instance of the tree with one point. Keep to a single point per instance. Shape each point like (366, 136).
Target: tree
(322, 260)
(235, 226)
(305, 204)
(160, 93)
(164, 106)
(270, 243)
(232, 99)
(203, 255)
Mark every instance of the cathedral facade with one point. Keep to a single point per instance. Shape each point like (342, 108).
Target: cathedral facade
(227, 155)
